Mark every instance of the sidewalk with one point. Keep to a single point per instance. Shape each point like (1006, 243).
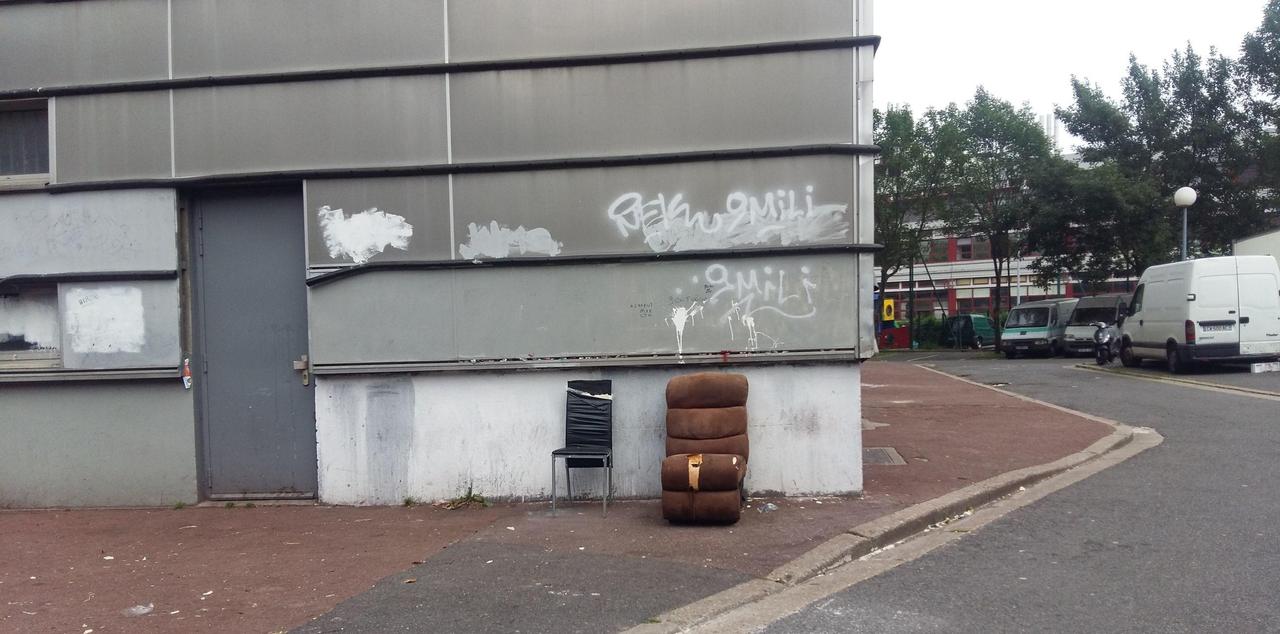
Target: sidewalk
(506, 568)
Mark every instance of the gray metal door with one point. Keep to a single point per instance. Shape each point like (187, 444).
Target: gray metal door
(257, 417)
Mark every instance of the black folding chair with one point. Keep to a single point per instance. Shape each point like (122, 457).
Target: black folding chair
(588, 435)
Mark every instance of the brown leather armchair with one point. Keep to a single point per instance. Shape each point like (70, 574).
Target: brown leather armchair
(707, 448)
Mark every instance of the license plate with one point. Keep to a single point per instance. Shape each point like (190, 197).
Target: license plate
(1019, 347)
(1217, 328)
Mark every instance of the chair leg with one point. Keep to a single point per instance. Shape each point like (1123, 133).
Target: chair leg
(553, 485)
(568, 478)
(608, 486)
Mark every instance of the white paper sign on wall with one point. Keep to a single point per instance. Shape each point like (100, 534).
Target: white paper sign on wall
(105, 320)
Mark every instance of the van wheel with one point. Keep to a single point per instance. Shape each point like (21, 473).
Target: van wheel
(1172, 362)
(1127, 357)
(1009, 354)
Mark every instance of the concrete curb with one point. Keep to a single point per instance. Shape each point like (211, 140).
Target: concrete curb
(1175, 379)
(868, 537)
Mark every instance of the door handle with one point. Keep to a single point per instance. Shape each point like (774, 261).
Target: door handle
(1140, 322)
(1244, 320)
(303, 364)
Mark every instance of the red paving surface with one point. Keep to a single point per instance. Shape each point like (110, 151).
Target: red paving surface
(207, 569)
(953, 433)
(270, 568)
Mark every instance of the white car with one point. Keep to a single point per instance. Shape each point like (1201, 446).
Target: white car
(1212, 309)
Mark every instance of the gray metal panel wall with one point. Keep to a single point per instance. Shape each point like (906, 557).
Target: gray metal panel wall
(117, 325)
(112, 136)
(495, 29)
(108, 443)
(730, 204)
(767, 100)
(86, 232)
(66, 43)
(659, 308)
(864, 83)
(229, 37)
(325, 124)
(421, 202)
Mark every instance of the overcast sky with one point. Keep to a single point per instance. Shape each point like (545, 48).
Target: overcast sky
(938, 51)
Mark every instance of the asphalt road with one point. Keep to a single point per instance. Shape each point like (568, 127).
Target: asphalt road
(1180, 538)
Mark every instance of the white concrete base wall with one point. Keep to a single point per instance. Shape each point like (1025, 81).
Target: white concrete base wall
(431, 436)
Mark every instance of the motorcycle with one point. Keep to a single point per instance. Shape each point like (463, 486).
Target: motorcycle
(1106, 342)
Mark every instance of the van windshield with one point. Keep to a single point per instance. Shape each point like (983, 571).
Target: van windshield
(1086, 316)
(1028, 318)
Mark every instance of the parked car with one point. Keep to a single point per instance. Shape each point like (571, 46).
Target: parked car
(1036, 327)
(1207, 310)
(975, 331)
(1089, 311)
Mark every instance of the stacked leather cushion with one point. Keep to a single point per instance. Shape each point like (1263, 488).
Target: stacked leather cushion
(707, 448)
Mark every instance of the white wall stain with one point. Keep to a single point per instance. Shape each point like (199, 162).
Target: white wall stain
(669, 223)
(680, 317)
(497, 241)
(32, 318)
(104, 319)
(507, 439)
(363, 235)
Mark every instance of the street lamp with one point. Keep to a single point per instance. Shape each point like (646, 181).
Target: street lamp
(1184, 197)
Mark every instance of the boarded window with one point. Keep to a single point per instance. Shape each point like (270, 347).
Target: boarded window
(24, 138)
(29, 327)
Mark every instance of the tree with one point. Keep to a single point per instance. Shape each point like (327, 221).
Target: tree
(1186, 124)
(1260, 62)
(1260, 65)
(1002, 154)
(1096, 224)
(912, 174)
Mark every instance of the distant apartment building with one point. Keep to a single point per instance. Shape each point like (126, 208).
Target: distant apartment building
(956, 276)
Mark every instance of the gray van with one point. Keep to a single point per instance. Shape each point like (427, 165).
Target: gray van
(1078, 338)
(1036, 327)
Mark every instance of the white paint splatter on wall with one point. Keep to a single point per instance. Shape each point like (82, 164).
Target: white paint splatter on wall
(364, 234)
(748, 321)
(680, 317)
(104, 320)
(497, 241)
(757, 295)
(669, 223)
(29, 321)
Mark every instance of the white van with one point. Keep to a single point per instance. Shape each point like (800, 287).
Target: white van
(1213, 309)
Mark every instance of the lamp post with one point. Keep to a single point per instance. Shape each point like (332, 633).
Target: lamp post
(1184, 197)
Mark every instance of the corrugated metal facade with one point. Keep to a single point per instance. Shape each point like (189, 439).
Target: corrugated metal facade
(570, 183)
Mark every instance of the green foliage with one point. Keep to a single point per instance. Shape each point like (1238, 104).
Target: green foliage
(1002, 156)
(1260, 62)
(1192, 122)
(178, 506)
(913, 178)
(928, 330)
(470, 499)
(1096, 224)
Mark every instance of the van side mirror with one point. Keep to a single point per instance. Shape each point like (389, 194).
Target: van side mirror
(1120, 320)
